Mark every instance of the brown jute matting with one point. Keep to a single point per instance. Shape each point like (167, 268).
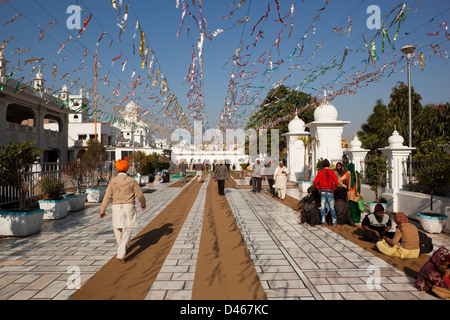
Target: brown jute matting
(179, 184)
(146, 255)
(410, 267)
(224, 270)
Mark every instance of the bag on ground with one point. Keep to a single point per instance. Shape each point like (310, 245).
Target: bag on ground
(425, 243)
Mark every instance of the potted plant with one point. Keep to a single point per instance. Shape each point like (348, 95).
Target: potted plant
(16, 160)
(55, 205)
(75, 171)
(433, 171)
(93, 158)
(376, 170)
(139, 159)
(307, 142)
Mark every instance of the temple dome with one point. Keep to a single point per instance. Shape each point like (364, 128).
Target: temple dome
(396, 140)
(325, 112)
(132, 106)
(296, 125)
(356, 143)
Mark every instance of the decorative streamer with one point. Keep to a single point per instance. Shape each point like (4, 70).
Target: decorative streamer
(86, 22)
(421, 60)
(13, 19)
(123, 23)
(42, 33)
(292, 20)
(101, 37)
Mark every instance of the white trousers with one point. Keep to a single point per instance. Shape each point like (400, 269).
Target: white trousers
(123, 237)
(281, 193)
(124, 219)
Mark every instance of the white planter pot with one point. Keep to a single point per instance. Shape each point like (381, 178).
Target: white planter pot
(303, 186)
(76, 202)
(20, 224)
(95, 195)
(372, 205)
(54, 209)
(432, 222)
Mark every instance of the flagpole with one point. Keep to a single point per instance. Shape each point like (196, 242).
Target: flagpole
(95, 98)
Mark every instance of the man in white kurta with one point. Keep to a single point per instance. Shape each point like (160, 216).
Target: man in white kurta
(281, 178)
(123, 190)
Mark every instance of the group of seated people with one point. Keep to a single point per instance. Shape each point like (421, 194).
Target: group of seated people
(309, 207)
(406, 242)
(162, 177)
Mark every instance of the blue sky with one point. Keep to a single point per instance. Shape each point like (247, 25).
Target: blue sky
(160, 20)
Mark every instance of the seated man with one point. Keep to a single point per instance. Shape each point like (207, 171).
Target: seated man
(376, 225)
(406, 242)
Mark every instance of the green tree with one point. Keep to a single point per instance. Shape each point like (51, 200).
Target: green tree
(279, 103)
(373, 134)
(75, 171)
(434, 165)
(307, 143)
(139, 159)
(376, 169)
(93, 158)
(16, 160)
(432, 123)
(398, 110)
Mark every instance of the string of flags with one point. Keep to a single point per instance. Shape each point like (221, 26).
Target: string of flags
(255, 70)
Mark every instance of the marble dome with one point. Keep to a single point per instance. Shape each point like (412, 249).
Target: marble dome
(355, 143)
(296, 125)
(396, 140)
(325, 112)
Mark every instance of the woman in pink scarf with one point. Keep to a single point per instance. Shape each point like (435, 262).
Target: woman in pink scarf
(435, 272)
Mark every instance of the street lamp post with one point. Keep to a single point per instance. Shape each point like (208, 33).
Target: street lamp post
(408, 50)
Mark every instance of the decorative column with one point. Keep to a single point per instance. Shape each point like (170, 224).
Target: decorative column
(356, 154)
(39, 82)
(396, 154)
(326, 131)
(296, 150)
(3, 64)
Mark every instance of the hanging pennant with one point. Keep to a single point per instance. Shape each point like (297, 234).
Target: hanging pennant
(421, 60)
(42, 33)
(13, 19)
(64, 44)
(101, 37)
(123, 23)
(86, 22)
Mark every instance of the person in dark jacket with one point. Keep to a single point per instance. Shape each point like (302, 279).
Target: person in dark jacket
(310, 210)
(342, 207)
(376, 225)
(220, 175)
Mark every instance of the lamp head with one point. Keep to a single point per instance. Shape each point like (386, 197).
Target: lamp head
(408, 49)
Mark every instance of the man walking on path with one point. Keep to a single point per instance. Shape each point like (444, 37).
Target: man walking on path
(182, 169)
(124, 190)
(326, 182)
(257, 172)
(220, 175)
(199, 170)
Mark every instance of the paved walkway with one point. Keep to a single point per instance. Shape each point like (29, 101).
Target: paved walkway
(293, 261)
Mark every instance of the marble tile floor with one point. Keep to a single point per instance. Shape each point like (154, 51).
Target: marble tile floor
(293, 261)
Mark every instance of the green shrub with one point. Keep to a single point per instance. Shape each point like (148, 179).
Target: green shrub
(52, 187)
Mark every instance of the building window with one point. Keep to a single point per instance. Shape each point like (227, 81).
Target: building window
(20, 115)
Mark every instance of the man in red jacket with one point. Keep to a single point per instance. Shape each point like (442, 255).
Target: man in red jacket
(326, 182)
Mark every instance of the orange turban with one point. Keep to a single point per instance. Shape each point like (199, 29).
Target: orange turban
(122, 165)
